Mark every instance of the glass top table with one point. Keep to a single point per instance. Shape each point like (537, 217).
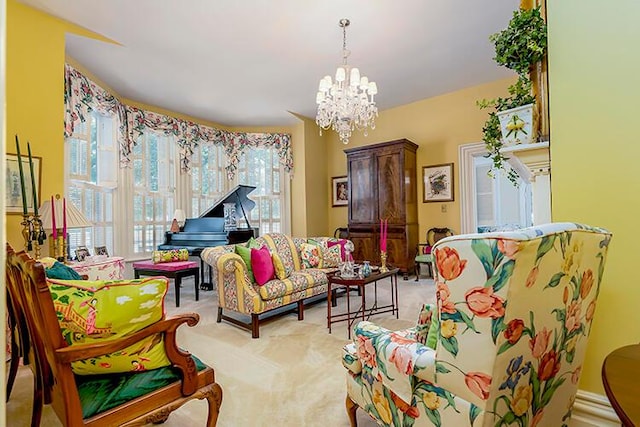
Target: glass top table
(364, 312)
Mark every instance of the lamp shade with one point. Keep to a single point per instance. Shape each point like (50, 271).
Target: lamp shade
(75, 218)
(180, 216)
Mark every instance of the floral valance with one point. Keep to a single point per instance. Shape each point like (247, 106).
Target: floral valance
(83, 96)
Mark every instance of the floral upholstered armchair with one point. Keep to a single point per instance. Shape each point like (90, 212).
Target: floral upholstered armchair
(503, 346)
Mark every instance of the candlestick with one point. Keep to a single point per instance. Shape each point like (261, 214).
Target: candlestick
(33, 182)
(53, 219)
(383, 262)
(24, 196)
(64, 218)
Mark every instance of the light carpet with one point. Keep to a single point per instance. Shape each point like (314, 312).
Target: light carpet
(291, 376)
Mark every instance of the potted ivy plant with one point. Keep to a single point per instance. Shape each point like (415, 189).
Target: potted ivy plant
(518, 47)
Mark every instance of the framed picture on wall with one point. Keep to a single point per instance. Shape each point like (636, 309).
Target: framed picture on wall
(339, 191)
(13, 198)
(438, 183)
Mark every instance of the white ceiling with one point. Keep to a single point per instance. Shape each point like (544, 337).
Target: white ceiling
(254, 62)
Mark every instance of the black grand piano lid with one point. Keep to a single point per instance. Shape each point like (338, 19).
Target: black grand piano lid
(237, 195)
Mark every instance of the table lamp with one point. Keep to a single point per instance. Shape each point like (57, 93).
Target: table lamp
(57, 215)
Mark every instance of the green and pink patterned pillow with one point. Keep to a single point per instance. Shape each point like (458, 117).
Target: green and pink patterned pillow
(97, 311)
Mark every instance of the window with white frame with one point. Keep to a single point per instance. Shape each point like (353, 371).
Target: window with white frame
(260, 167)
(153, 159)
(208, 179)
(500, 204)
(149, 191)
(92, 180)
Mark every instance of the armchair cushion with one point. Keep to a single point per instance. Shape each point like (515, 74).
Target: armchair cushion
(99, 393)
(95, 311)
(394, 357)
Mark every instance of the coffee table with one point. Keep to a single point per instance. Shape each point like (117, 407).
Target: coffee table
(364, 312)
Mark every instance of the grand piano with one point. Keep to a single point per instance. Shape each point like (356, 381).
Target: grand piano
(209, 228)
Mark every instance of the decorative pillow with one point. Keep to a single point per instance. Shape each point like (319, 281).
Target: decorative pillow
(262, 265)
(311, 255)
(426, 250)
(98, 311)
(340, 242)
(278, 266)
(171, 255)
(57, 270)
(424, 323)
(245, 254)
(331, 256)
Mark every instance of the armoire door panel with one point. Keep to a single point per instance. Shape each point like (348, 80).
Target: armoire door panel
(390, 191)
(362, 206)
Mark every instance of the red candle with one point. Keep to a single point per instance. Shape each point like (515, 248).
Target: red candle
(53, 218)
(386, 224)
(64, 218)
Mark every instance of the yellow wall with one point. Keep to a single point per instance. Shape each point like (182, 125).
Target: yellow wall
(593, 79)
(438, 125)
(34, 96)
(318, 195)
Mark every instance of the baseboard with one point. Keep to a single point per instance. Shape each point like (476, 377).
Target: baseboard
(593, 410)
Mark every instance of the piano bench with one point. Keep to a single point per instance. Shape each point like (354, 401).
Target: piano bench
(172, 270)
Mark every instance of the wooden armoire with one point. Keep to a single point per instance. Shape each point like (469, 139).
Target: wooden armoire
(382, 185)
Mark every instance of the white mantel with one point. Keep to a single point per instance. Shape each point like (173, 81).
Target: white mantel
(533, 163)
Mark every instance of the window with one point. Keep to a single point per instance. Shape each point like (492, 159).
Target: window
(153, 190)
(488, 203)
(92, 180)
(132, 208)
(260, 167)
(208, 177)
(499, 203)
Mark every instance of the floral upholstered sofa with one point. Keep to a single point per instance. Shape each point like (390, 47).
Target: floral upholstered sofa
(505, 343)
(301, 274)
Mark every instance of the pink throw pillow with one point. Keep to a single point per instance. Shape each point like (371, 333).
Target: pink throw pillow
(340, 242)
(262, 265)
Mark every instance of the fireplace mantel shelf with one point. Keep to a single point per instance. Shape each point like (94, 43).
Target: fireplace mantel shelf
(529, 160)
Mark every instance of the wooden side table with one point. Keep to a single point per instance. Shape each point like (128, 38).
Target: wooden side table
(364, 312)
(173, 270)
(621, 380)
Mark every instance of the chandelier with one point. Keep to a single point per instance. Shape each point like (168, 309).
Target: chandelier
(346, 103)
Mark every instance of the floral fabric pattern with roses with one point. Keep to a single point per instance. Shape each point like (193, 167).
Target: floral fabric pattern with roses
(512, 317)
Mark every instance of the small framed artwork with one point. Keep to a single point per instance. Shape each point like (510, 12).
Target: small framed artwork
(101, 250)
(13, 198)
(339, 191)
(81, 253)
(438, 183)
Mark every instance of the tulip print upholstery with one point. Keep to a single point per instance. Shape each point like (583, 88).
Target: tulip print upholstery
(505, 342)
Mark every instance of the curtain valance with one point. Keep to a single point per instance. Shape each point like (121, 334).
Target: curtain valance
(81, 96)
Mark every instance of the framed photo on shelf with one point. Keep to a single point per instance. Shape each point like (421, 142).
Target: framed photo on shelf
(13, 198)
(81, 253)
(101, 250)
(339, 191)
(438, 183)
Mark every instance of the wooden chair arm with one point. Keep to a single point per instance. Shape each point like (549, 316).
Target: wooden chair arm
(179, 359)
